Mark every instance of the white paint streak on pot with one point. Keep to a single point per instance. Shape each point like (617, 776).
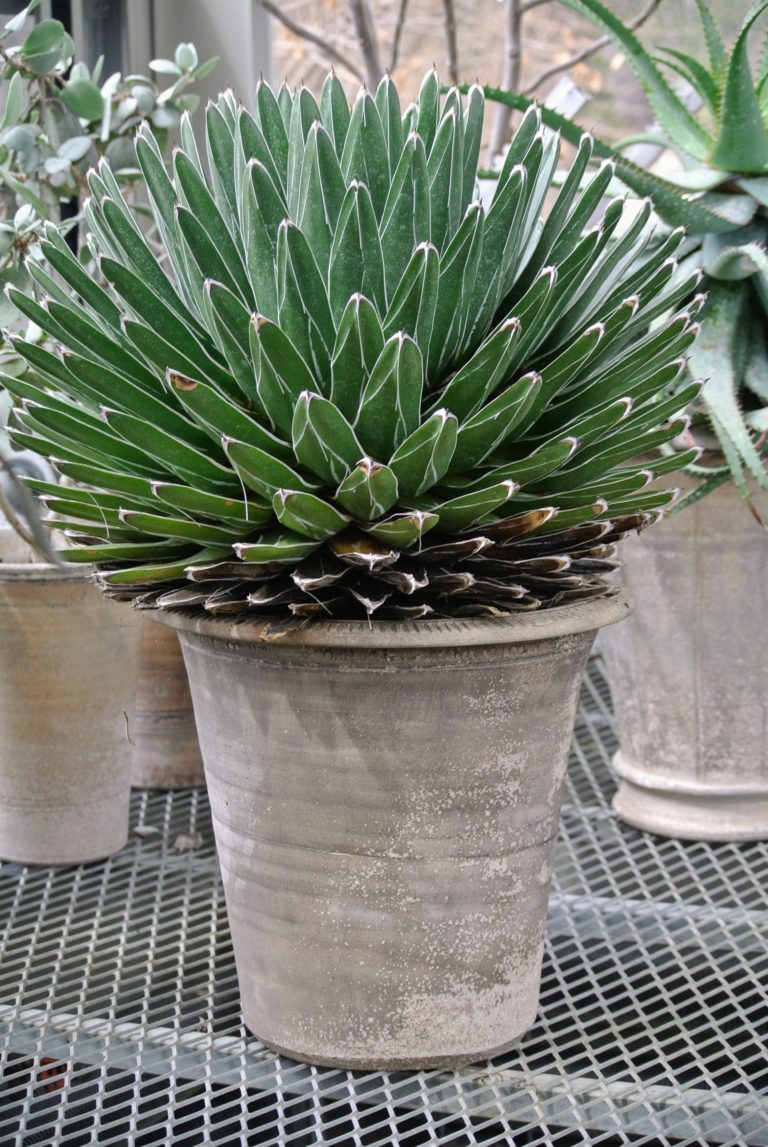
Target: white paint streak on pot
(689, 675)
(385, 803)
(167, 753)
(68, 662)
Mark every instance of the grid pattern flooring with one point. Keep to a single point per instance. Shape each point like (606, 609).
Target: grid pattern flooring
(120, 1025)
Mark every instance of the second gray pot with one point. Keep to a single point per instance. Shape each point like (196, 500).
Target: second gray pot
(385, 803)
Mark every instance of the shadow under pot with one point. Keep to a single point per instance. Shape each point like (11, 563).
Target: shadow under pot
(385, 802)
(68, 663)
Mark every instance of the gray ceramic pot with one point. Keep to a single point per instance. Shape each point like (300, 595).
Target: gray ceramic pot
(68, 662)
(385, 803)
(167, 754)
(689, 675)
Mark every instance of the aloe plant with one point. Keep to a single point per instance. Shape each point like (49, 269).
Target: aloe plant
(721, 196)
(349, 390)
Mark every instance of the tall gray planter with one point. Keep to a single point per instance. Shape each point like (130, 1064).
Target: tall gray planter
(68, 662)
(689, 675)
(385, 802)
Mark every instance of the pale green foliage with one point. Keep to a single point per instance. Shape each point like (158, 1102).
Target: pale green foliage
(721, 196)
(350, 389)
(59, 119)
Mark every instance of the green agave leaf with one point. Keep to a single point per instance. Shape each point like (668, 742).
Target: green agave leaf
(74, 509)
(528, 470)
(304, 112)
(281, 373)
(590, 469)
(405, 221)
(263, 473)
(502, 231)
(321, 194)
(231, 322)
(250, 514)
(152, 311)
(201, 533)
(742, 139)
(640, 503)
(460, 513)
(428, 109)
(202, 258)
(302, 300)
(445, 169)
(489, 367)
(359, 342)
(365, 156)
(58, 254)
(473, 136)
(425, 456)
(391, 402)
(402, 530)
(356, 259)
(335, 111)
(480, 435)
(34, 436)
(458, 272)
(368, 491)
(308, 515)
(174, 456)
(70, 329)
(388, 105)
(557, 217)
(323, 440)
(74, 496)
(285, 104)
(263, 210)
(270, 120)
(202, 207)
(74, 426)
(251, 147)
(220, 144)
(119, 552)
(218, 416)
(162, 571)
(282, 546)
(412, 309)
(105, 479)
(675, 208)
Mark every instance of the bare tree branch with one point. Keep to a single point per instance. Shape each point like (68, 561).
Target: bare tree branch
(402, 9)
(312, 36)
(590, 49)
(451, 41)
(365, 30)
(530, 4)
(510, 77)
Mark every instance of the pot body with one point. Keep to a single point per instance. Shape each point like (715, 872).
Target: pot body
(69, 659)
(689, 675)
(385, 801)
(167, 754)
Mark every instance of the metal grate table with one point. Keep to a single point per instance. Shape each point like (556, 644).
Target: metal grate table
(119, 1018)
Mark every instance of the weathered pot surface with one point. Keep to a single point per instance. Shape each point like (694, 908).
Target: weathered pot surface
(167, 753)
(67, 687)
(385, 802)
(689, 676)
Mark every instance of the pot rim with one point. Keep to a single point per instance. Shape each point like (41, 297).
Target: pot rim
(515, 628)
(42, 572)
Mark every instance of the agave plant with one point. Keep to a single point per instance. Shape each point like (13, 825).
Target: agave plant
(350, 390)
(721, 195)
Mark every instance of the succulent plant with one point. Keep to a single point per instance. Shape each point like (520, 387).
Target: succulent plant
(721, 195)
(350, 390)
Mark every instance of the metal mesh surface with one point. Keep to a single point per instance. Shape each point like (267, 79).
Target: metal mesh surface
(120, 1024)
